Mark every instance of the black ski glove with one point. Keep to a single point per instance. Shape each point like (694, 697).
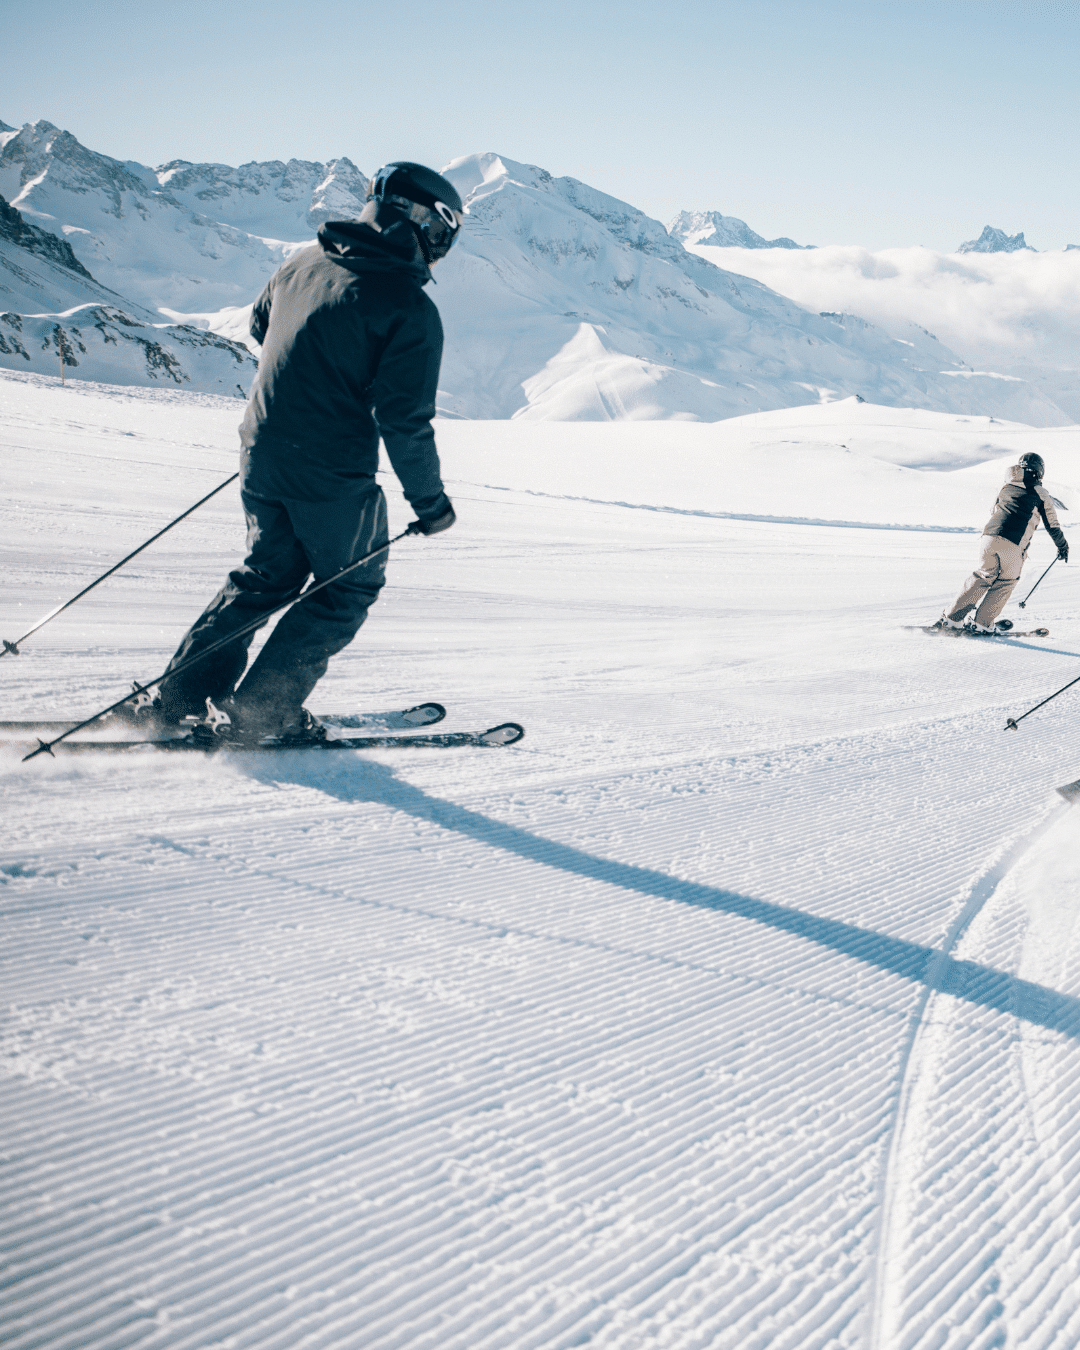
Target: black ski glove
(1063, 551)
(436, 518)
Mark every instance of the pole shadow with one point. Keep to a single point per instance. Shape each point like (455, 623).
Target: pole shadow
(368, 781)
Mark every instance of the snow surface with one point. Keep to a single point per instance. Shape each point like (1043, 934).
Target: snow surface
(737, 1007)
(1013, 314)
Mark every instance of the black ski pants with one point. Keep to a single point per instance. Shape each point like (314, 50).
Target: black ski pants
(287, 542)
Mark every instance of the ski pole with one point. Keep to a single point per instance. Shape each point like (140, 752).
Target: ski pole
(12, 648)
(46, 746)
(1035, 587)
(1012, 722)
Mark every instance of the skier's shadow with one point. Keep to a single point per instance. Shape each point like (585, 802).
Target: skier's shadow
(366, 781)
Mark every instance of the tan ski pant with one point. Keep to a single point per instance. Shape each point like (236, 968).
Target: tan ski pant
(992, 582)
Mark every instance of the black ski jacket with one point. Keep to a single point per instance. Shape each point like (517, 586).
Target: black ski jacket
(351, 348)
(1019, 505)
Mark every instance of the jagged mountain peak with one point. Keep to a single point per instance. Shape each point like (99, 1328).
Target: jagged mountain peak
(996, 241)
(720, 231)
(305, 191)
(578, 221)
(186, 237)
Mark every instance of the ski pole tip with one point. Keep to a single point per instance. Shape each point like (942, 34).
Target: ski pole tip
(1010, 725)
(12, 647)
(43, 747)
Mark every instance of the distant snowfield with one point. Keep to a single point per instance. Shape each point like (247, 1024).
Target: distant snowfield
(737, 1007)
(1011, 313)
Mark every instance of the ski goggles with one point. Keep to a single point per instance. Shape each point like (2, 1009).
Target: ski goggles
(435, 226)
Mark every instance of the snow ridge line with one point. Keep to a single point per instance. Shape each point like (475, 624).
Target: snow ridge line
(729, 515)
(885, 1303)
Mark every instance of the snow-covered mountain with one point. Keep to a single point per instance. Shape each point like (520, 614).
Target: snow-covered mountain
(184, 237)
(710, 227)
(559, 302)
(996, 241)
(52, 310)
(562, 302)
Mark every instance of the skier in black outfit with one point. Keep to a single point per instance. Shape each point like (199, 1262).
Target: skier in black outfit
(351, 348)
(1020, 505)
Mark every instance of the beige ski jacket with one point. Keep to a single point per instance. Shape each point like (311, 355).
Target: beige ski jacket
(1019, 506)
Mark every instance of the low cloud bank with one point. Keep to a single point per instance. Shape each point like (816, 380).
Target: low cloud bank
(1013, 313)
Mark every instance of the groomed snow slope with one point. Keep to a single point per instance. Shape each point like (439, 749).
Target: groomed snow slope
(736, 1007)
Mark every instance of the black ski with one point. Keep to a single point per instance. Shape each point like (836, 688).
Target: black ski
(966, 632)
(507, 733)
(422, 715)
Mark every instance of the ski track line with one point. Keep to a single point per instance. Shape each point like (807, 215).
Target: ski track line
(646, 1281)
(729, 515)
(982, 894)
(942, 1280)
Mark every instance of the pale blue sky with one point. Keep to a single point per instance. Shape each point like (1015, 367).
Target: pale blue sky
(831, 121)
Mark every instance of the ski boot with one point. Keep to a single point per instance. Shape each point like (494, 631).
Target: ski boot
(306, 730)
(148, 714)
(228, 723)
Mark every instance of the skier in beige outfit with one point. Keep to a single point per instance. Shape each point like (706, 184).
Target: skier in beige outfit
(1020, 504)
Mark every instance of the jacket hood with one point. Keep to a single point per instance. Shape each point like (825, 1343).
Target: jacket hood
(362, 249)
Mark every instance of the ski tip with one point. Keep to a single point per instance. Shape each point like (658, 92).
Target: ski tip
(424, 714)
(507, 733)
(1071, 792)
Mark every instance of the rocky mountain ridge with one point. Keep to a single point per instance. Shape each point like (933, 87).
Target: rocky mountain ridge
(719, 231)
(996, 241)
(184, 237)
(17, 231)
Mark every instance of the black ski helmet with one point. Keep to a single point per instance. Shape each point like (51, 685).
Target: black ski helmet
(414, 199)
(1032, 464)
